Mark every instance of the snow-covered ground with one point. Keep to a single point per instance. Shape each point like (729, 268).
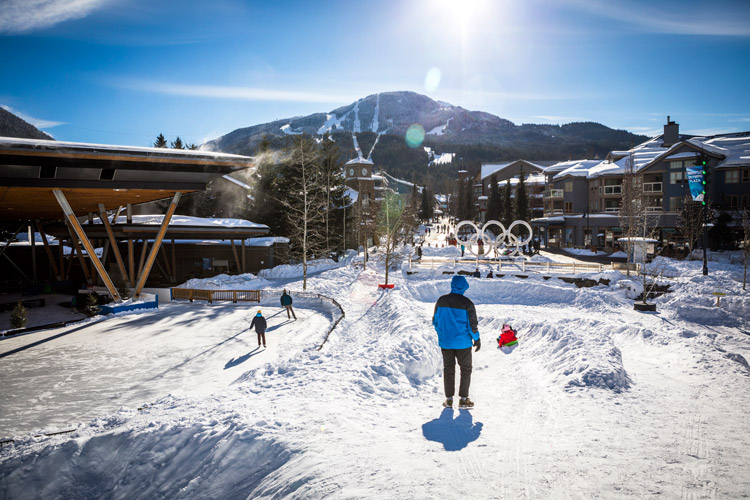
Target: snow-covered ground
(596, 401)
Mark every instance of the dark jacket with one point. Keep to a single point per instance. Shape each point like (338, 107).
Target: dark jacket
(455, 317)
(259, 322)
(286, 300)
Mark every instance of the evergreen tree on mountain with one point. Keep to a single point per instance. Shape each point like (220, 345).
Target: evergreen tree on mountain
(495, 201)
(507, 205)
(177, 143)
(522, 199)
(161, 142)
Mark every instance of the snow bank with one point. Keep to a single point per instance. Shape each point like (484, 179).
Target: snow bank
(217, 452)
(287, 271)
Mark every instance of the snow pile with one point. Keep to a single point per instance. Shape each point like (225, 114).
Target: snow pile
(287, 271)
(246, 281)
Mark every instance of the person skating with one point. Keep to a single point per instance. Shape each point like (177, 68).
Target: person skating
(259, 322)
(286, 301)
(455, 321)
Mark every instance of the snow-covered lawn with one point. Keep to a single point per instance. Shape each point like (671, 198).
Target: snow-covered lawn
(596, 401)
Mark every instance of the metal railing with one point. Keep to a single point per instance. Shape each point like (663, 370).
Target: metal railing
(264, 297)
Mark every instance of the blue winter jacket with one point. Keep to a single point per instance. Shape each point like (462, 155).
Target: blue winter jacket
(455, 317)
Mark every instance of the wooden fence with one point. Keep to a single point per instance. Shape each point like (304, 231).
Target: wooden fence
(216, 295)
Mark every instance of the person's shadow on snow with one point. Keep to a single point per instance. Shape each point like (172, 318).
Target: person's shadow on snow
(234, 362)
(453, 434)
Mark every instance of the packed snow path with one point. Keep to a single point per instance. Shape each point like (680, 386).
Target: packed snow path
(597, 401)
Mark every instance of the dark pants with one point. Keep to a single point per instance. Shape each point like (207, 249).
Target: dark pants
(450, 357)
(290, 310)
(261, 336)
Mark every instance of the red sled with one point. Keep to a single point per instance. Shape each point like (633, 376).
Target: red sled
(507, 337)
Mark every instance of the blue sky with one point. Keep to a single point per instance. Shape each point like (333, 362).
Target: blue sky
(123, 71)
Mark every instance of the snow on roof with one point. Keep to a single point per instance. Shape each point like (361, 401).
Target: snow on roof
(185, 220)
(352, 194)
(11, 141)
(359, 161)
(734, 147)
(574, 168)
(642, 155)
(236, 181)
(491, 168)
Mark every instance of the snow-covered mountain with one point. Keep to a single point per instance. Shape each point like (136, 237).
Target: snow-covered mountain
(393, 112)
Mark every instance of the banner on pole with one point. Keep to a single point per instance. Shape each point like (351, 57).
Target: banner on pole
(695, 181)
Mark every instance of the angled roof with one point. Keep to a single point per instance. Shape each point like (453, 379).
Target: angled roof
(491, 168)
(90, 174)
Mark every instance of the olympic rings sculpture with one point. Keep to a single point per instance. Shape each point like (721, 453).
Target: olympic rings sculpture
(504, 241)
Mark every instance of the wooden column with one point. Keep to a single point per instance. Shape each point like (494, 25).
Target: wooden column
(244, 260)
(89, 248)
(236, 257)
(157, 243)
(79, 253)
(113, 242)
(47, 248)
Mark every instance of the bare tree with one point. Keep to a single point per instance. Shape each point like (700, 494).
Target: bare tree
(303, 199)
(640, 225)
(690, 221)
(396, 223)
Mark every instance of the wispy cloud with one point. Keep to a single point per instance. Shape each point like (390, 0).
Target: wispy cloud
(37, 122)
(677, 19)
(19, 16)
(234, 92)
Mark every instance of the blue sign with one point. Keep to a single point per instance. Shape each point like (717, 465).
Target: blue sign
(695, 181)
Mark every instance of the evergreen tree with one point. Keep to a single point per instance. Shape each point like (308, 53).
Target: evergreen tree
(427, 209)
(522, 199)
(468, 200)
(335, 191)
(495, 201)
(91, 307)
(191, 146)
(177, 143)
(18, 317)
(161, 142)
(507, 205)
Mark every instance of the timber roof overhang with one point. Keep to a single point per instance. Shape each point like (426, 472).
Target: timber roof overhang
(90, 174)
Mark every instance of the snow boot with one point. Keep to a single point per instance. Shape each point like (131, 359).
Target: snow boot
(448, 403)
(466, 404)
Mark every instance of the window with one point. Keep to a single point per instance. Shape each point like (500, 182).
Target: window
(676, 203)
(746, 201)
(746, 175)
(731, 202)
(675, 165)
(568, 207)
(569, 187)
(732, 176)
(677, 177)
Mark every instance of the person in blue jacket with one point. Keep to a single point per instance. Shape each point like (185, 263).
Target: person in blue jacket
(455, 321)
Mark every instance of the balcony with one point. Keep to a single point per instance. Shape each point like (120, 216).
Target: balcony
(652, 187)
(554, 193)
(615, 189)
(612, 210)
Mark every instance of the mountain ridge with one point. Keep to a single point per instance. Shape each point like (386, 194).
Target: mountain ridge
(444, 124)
